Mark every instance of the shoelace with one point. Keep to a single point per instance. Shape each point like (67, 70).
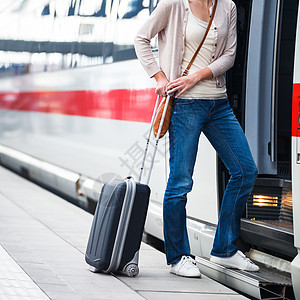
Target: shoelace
(189, 260)
(245, 257)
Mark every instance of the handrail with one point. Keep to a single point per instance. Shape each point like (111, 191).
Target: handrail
(274, 87)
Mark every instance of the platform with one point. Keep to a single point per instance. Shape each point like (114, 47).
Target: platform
(42, 244)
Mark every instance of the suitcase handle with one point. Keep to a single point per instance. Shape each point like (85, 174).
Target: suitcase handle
(156, 138)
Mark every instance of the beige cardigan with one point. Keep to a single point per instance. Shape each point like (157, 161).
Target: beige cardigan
(169, 20)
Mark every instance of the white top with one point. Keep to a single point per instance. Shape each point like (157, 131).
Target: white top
(195, 30)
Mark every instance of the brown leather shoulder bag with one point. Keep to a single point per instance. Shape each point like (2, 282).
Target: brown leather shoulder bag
(162, 104)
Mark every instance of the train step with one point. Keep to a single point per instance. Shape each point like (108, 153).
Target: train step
(268, 283)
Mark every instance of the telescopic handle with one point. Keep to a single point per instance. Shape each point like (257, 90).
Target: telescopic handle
(148, 138)
(156, 138)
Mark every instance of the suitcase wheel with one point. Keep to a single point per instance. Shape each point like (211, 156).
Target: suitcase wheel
(131, 270)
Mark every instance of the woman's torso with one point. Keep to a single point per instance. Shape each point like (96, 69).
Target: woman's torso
(194, 33)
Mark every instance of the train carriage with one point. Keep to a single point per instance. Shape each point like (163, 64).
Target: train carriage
(75, 107)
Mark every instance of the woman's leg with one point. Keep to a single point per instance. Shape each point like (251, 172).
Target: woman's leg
(187, 120)
(227, 137)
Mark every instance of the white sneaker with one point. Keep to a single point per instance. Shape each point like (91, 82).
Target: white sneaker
(237, 261)
(186, 267)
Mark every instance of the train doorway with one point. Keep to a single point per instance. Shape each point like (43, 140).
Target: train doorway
(260, 88)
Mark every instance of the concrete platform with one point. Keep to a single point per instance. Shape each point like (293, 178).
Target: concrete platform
(42, 245)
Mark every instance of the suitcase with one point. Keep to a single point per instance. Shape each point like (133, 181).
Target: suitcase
(118, 224)
(117, 227)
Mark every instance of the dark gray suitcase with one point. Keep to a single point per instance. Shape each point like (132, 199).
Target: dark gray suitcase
(117, 227)
(119, 219)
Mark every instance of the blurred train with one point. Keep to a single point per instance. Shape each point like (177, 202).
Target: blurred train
(75, 107)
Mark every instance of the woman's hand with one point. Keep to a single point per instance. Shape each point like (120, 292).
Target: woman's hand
(162, 82)
(182, 84)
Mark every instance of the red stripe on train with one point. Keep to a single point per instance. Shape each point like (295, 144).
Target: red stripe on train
(296, 110)
(127, 105)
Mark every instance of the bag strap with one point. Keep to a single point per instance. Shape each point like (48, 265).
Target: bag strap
(186, 71)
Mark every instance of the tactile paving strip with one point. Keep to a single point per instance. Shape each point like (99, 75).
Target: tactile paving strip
(14, 282)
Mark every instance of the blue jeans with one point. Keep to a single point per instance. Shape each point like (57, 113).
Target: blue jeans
(217, 121)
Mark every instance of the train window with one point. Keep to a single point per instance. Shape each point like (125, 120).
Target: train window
(51, 35)
(130, 8)
(46, 10)
(153, 5)
(70, 7)
(131, 15)
(92, 8)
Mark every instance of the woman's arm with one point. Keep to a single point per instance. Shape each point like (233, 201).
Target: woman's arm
(226, 60)
(155, 23)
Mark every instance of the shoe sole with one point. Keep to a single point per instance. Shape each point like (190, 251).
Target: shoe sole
(232, 266)
(195, 276)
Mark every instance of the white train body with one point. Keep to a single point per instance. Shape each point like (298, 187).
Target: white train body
(296, 160)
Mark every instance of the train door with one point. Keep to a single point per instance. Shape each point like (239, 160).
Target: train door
(265, 112)
(269, 84)
(295, 266)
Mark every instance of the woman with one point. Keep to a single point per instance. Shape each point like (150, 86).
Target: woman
(200, 105)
